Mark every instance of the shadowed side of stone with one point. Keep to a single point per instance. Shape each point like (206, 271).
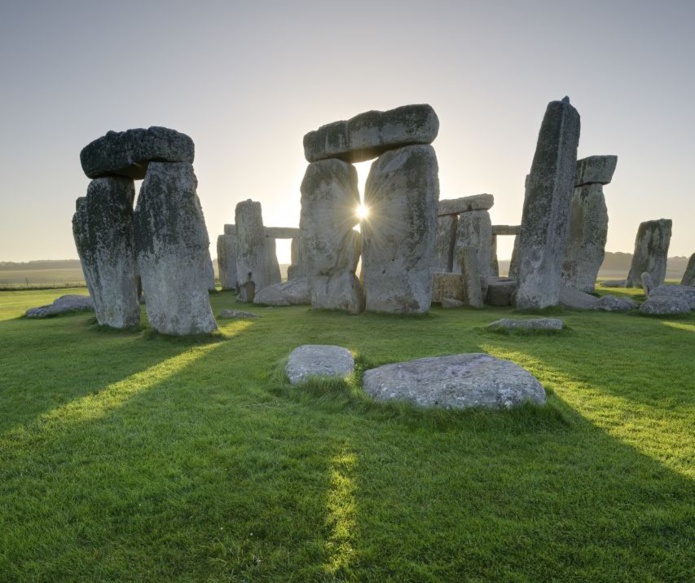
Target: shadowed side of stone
(226, 261)
(689, 275)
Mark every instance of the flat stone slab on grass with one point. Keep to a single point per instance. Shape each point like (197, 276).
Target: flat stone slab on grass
(319, 360)
(294, 292)
(685, 293)
(579, 300)
(129, 153)
(63, 305)
(236, 314)
(664, 306)
(460, 381)
(615, 304)
(544, 324)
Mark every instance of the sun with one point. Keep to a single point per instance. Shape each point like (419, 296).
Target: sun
(362, 212)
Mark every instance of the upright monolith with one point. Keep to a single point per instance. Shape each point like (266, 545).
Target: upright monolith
(651, 252)
(226, 261)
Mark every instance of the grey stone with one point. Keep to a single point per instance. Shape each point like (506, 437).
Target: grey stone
(651, 252)
(294, 292)
(129, 153)
(474, 230)
(647, 283)
(472, 291)
(586, 238)
(465, 204)
(546, 209)
(236, 315)
(316, 360)
(447, 285)
(615, 304)
(256, 258)
(595, 170)
(683, 292)
(103, 231)
(613, 283)
(664, 306)
(282, 232)
(500, 291)
(552, 324)
(63, 305)
(173, 251)
(444, 244)
(398, 237)
(372, 133)
(230, 229)
(578, 300)
(689, 275)
(226, 261)
(506, 229)
(329, 245)
(452, 303)
(460, 381)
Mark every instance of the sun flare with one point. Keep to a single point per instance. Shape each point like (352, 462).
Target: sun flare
(362, 212)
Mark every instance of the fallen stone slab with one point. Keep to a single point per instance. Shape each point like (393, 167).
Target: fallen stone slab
(449, 303)
(552, 324)
(579, 300)
(63, 305)
(460, 381)
(294, 292)
(236, 314)
(615, 304)
(595, 170)
(664, 306)
(319, 360)
(682, 292)
(370, 134)
(500, 292)
(465, 204)
(129, 153)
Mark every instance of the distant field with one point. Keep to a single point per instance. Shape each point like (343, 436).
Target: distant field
(59, 277)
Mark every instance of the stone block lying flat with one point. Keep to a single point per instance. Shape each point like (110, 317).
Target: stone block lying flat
(129, 153)
(455, 206)
(595, 170)
(370, 134)
(317, 360)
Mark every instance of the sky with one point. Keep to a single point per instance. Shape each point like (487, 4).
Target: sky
(247, 79)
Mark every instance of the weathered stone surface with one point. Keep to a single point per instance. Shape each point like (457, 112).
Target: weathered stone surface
(468, 264)
(226, 261)
(475, 231)
(103, 231)
(230, 229)
(298, 266)
(447, 285)
(455, 382)
(651, 252)
(647, 283)
(595, 170)
(586, 238)
(401, 192)
(449, 303)
(329, 246)
(689, 275)
(613, 283)
(664, 306)
(294, 292)
(66, 304)
(552, 324)
(683, 292)
(173, 251)
(256, 259)
(500, 291)
(282, 232)
(465, 204)
(546, 209)
(444, 244)
(236, 314)
(615, 304)
(372, 133)
(316, 360)
(506, 229)
(129, 153)
(578, 300)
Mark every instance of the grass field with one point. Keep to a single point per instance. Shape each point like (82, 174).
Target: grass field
(41, 278)
(129, 456)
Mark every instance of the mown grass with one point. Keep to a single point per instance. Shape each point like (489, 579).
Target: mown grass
(135, 457)
(15, 279)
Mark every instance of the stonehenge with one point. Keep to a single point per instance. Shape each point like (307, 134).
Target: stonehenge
(651, 251)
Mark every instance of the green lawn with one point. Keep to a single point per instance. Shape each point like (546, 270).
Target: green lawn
(128, 456)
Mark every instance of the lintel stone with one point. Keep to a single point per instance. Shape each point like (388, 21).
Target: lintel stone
(455, 206)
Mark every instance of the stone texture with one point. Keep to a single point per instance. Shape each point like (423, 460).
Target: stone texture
(615, 304)
(447, 285)
(294, 292)
(129, 153)
(544, 324)
(316, 360)
(173, 251)
(664, 306)
(449, 303)
(401, 192)
(546, 209)
(500, 291)
(468, 264)
(256, 258)
(372, 133)
(689, 275)
(103, 231)
(455, 206)
(282, 232)
(506, 229)
(475, 231)
(298, 265)
(586, 238)
(455, 382)
(578, 300)
(613, 283)
(647, 283)
(236, 315)
(329, 245)
(595, 170)
(443, 261)
(651, 252)
(66, 304)
(226, 262)
(683, 292)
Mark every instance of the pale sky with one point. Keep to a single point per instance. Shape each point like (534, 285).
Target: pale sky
(247, 79)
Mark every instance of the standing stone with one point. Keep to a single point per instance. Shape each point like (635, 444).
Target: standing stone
(297, 268)
(475, 231)
(226, 262)
(103, 231)
(329, 246)
(651, 252)
(402, 193)
(256, 259)
(469, 264)
(173, 251)
(494, 263)
(689, 275)
(586, 239)
(546, 208)
(444, 244)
